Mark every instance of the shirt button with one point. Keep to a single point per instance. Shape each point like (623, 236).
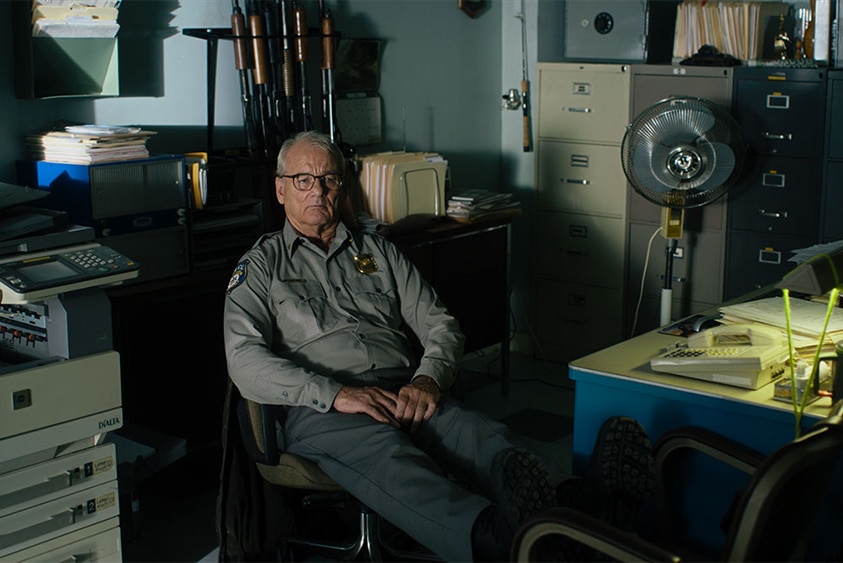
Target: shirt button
(378, 290)
(336, 288)
(315, 402)
(322, 405)
(362, 337)
(372, 366)
(284, 393)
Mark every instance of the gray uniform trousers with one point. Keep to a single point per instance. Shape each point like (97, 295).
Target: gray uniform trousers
(432, 484)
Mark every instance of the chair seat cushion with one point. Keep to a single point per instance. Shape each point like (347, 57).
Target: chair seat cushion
(297, 472)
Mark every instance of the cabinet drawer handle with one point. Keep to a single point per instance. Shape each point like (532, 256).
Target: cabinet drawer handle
(769, 256)
(580, 110)
(779, 136)
(577, 181)
(773, 214)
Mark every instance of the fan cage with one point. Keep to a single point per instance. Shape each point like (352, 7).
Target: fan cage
(683, 152)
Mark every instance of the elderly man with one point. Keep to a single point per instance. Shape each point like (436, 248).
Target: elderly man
(315, 321)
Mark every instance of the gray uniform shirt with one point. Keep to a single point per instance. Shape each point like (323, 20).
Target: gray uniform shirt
(297, 319)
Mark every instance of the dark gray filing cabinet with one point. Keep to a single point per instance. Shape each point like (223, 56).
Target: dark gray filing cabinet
(832, 218)
(775, 208)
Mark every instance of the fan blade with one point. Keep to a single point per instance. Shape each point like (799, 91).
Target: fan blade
(722, 165)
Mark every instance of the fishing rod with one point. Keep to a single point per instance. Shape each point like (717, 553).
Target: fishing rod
(525, 84)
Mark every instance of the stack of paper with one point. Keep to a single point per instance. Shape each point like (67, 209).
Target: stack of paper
(89, 144)
(734, 28)
(75, 18)
(397, 184)
(806, 320)
(471, 205)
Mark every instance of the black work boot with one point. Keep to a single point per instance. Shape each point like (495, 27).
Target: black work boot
(522, 486)
(621, 469)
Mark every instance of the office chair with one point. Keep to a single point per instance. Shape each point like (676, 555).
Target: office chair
(773, 519)
(257, 424)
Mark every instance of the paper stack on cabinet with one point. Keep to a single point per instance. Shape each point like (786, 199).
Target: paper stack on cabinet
(89, 144)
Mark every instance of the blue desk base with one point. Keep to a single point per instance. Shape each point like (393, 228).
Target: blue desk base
(660, 408)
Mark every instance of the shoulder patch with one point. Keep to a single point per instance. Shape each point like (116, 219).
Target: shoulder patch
(238, 276)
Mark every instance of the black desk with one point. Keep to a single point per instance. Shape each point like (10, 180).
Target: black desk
(468, 265)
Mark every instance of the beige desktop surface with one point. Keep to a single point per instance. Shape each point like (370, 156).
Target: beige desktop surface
(630, 359)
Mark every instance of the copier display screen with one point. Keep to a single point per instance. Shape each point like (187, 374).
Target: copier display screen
(47, 271)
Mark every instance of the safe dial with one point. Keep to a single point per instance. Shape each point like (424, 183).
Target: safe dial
(604, 22)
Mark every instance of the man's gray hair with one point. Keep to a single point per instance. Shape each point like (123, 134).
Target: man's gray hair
(314, 139)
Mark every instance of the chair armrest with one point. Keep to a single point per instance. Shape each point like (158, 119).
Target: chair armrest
(711, 444)
(586, 530)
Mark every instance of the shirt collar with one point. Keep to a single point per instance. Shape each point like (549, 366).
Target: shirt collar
(344, 236)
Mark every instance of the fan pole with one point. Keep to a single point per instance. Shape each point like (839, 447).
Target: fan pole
(667, 289)
(673, 220)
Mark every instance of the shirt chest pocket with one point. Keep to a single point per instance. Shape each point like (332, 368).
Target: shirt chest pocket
(302, 311)
(372, 296)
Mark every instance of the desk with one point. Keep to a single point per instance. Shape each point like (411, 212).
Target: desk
(618, 381)
(468, 265)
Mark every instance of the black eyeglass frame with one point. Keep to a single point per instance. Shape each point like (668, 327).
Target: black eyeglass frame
(321, 178)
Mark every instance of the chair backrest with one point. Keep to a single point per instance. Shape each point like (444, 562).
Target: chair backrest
(775, 517)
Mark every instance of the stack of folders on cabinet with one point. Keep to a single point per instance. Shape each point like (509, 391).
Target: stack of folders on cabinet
(471, 205)
(397, 184)
(807, 318)
(75, 18)
(89, 144)
(734, 28)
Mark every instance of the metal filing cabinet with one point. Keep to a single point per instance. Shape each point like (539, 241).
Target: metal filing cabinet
(775, 207)
(579, 259)
(832, 225)
(698, 264)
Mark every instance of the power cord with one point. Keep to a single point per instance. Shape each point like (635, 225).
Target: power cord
(643, 279)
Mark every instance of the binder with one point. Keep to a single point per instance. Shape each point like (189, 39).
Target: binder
(397, 184)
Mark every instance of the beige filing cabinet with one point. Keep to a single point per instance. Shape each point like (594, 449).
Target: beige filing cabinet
(583, 110)
(699, 260)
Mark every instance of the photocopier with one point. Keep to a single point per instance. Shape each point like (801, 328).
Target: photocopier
(60, 393)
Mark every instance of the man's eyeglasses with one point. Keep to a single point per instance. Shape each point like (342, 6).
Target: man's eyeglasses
(304, 181)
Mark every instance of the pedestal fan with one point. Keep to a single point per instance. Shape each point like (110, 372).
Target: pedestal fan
(680, 153)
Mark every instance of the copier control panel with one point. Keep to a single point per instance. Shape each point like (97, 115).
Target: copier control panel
(35, 277)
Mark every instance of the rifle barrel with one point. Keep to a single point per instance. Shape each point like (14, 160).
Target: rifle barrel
(329, 96)
(300, 24)
(243, 65)
(261, 76)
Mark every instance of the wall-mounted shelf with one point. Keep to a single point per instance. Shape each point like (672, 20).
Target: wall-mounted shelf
(52, 67)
